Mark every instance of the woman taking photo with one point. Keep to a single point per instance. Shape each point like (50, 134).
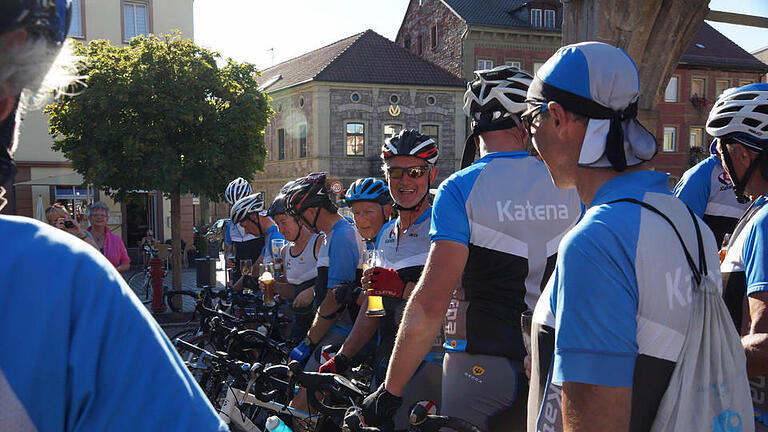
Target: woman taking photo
(58, 216)
(110, 244)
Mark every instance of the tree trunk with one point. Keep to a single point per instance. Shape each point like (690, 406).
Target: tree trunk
(654, 32)
(177, 252)
(205, 212)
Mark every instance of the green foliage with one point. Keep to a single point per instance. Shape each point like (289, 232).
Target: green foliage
(161, 114)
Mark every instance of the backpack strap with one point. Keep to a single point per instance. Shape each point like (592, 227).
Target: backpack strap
(697, 273)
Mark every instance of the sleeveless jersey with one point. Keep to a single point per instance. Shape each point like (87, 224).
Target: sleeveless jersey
(506, 210)
(708, 191)
(302, 269)
(745, 271)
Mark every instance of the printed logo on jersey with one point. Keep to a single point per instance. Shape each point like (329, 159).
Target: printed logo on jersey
(727, 421)
(508, 211)
(478, 370)
(725, 180)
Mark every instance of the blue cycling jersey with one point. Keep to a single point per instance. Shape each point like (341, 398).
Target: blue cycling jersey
(78, 351)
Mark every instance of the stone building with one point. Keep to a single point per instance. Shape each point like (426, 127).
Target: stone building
(762, 55)
(463, 35)
(335, 106)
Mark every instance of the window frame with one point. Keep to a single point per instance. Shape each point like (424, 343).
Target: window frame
(424, 125)
(664, 139)
(519, 65)
(677, 89)
(303, 141)
(347, 135)
(281, 144)
(82, 35)
(537, 65)
(703, 133)
(148, 4)
(484, 59)
(433, 37)
(727, 86)
(553, 14)
(540, 14)
(384, 129)
(703, 86)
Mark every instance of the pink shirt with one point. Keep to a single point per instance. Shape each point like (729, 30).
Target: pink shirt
(114, 249)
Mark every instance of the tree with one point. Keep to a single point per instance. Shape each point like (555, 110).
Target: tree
(654, 32)
(161, 114)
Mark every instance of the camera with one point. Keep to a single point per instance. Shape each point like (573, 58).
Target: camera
(68, 224)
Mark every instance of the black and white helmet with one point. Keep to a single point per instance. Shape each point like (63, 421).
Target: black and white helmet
(236, 189)
(411, 143)
(742, 113)
(494, 100)
(247, 205)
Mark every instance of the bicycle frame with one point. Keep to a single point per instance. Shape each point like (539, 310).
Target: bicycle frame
(231, 414)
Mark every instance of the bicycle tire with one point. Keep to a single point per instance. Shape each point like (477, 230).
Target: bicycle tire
(141, 285)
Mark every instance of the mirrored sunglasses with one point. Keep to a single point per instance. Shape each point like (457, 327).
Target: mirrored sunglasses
(412, 172)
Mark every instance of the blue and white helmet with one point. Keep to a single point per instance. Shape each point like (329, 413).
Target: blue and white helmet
(368, 189)
(247, 205)
(237, 188)
(742, 113)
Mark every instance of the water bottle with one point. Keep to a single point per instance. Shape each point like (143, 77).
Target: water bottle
(274, 424)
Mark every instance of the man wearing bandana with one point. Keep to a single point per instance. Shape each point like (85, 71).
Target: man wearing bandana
(622, 288)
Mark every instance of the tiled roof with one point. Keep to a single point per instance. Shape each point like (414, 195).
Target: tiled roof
(363, 58)
(710, 48)
(493, 13)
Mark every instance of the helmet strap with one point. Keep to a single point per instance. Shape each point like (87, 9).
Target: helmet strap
(738, 184)
(298, 232)
(258, 225)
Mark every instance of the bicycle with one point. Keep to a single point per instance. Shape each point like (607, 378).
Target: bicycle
(141, 281)
(419, 419)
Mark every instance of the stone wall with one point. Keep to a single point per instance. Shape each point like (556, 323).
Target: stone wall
(418, 23)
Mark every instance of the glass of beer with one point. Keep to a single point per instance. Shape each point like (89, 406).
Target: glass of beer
(277, 259)
(374, 258)
(266, 277)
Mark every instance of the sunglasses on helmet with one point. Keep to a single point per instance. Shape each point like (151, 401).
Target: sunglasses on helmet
(412, 171)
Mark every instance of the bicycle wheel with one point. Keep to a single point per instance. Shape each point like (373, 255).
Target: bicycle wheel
(140, 284)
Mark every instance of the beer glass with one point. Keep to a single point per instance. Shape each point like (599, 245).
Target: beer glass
(374, 258)
(266, 276)
(277, 259)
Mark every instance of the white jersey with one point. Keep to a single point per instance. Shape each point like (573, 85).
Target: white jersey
(237, 233)
(303, 267)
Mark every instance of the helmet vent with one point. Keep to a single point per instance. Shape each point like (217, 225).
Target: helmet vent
(718, 123)
(730, 109)
(751, 122)
(762, 109)
(745, 96)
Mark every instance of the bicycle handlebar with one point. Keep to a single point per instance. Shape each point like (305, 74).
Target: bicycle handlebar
(419, 421)
(333, 384)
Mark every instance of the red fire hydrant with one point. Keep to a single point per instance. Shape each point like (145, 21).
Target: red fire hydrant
(157, 273)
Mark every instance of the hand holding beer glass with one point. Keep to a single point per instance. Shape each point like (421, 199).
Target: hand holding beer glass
(277, 259)
(373, 258)
(267, 280)
(246, 268)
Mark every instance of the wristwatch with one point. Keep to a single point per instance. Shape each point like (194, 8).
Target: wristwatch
(308, 341)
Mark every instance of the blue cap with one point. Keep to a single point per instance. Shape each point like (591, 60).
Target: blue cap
(601, 82)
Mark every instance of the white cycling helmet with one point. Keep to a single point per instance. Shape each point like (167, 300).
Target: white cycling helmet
(236, 189)
(247, 205)
(742, 113)
(494, 100)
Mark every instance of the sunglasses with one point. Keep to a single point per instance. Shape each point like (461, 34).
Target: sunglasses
(412, 171)
(529, 117)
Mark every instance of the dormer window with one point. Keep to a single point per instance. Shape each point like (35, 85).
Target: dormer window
(535, 17)
(549, 18)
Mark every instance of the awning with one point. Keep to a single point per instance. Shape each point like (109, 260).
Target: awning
(71, 179)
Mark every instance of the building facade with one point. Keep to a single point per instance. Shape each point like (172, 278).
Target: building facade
(335, 106)
(45, 176)
(463, 35)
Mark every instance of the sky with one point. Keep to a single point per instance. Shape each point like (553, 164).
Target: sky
(269, 32)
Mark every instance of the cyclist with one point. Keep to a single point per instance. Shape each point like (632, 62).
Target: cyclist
(409, 160)
(300, 264)
(246, 245)
(708, 191)
(493, 235)
(621, 316)
(738, 122)
(371, 206)
(92, 350)
(338, 262)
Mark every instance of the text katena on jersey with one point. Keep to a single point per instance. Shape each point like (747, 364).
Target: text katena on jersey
(518, 212)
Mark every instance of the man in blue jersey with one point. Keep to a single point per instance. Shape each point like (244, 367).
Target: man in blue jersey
(739, 121)
(245, 245)
(409, 166)
(338, 262)
(708, 191)
(622, 286)
(495, 229)
(78, 351)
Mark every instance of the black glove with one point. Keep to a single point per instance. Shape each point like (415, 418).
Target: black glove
(347, 293)
(380, 406)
